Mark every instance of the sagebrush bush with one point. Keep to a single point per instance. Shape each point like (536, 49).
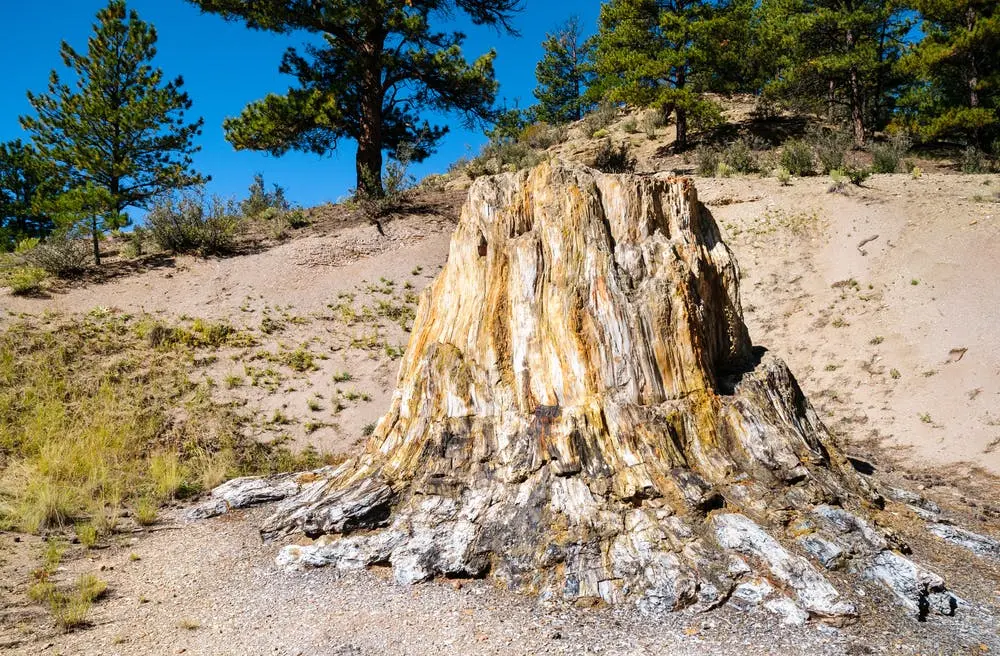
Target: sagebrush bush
(739, 157)
(707, 160)
(886, 157)
(830, 146)
(652, 120)
(601, 117)
(498, 157)
(542, 135)
(972, 160)
(189, 223)
(614, 159)
(59, 255)
(797, 157)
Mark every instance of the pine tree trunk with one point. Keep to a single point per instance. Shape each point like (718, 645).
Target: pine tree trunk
(96, 239)
(856, 100)
(369, 155)
(580, 413)
(681, 143)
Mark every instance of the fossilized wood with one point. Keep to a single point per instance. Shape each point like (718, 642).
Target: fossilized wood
(580, 413)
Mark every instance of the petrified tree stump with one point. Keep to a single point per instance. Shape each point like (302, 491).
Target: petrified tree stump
(581, 413)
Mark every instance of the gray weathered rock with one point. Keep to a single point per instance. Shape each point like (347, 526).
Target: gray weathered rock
(919, 589)
(813, 591)
(246, 491)
(981, 545)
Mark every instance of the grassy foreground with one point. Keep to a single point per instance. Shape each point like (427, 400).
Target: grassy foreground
(100, 421)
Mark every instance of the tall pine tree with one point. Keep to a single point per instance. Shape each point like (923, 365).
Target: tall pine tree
(956, 67)
(379, 66)
(118, 125)
(563, 75)
(667, 53)
(836, 57)
(26, 180)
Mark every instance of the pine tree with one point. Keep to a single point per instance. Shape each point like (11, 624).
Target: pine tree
(563, 75)
(957, 71)
(836, 57)
(666, 54)
(118, 126)
(378, 66)
(25, 181)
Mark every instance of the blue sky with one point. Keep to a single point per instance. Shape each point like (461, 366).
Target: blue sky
(225, 66)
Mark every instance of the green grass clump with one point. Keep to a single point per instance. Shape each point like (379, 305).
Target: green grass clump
(25, 280)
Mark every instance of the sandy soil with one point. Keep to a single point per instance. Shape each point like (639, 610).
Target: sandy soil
(875, 333)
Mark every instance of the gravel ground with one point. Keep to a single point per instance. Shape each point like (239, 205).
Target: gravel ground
(212, 588)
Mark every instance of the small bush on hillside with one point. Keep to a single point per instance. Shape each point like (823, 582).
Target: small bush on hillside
(831, 147)
(542, 135)
(59, 255)
(707, 160)
(612, 159)
(602, 116)
(783, 176)
(25, 280)
(740, 157)
(187, 224)
(498, 157)
(652, 121)
(797, 157)
(630, 125)
(887, 156)
(973, 160)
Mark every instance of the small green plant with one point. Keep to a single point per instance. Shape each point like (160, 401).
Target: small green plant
(916, 173)
(146, 512)
(314, 405)
(342, 377)
(723, 170)
(739, 157)
(876, 340)
(914, 282)
(894, 374)
(886, 157)
(839, 322)
(368, 429)
(630, 125)
(26, 280)
(86, 533)
(707, 160)
(188, 624)
(233, 381)
(830, 146)
(926, 418)
(797, 157)
(783, 176)
(279, 418)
